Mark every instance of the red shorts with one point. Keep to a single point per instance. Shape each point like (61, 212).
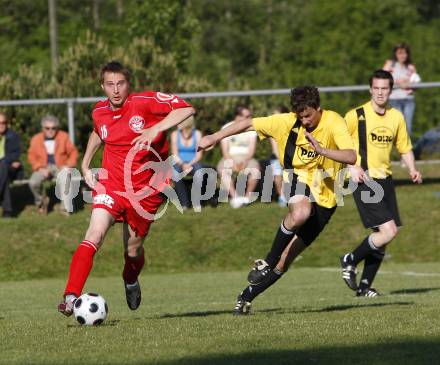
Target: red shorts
(137, 214)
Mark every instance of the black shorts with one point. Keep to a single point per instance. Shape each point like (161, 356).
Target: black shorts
(319, 216)
(315, 223)
(296, 187)
(375, 213)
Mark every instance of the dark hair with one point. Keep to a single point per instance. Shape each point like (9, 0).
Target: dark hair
(382, 74)
(282, 109)
(303, 97)
(404, 46)
(239, 109)
(116, 67)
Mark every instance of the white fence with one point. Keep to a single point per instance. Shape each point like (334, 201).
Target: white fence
(70, 102)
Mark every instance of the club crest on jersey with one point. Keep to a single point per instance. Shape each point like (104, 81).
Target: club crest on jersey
(136, 123)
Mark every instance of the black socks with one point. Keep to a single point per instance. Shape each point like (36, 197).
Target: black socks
(282, 239)
(252, 291)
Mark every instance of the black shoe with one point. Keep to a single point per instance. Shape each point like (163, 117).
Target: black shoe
(368, 292)
(133, 295)
(242, 307)
(7, 214)
(257, 274)
(348, 272)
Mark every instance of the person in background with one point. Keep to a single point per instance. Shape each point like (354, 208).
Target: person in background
(49, 152)
(277, 170)
(239, 149)
(10, 165)
(404, 73)
(184, 142)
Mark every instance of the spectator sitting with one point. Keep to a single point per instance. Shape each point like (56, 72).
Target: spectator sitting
(10, 165)
(49, 152)
(277, 170)
(184, 142)
(239, 150)
(404, 73)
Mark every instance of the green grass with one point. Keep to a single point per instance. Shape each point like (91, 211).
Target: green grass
(191, 281)
(217, 239)
(308, 317)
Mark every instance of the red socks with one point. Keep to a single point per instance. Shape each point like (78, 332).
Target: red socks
(133, 267)
(82, 262)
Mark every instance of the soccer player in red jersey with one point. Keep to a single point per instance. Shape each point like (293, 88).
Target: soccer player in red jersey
(132, 127)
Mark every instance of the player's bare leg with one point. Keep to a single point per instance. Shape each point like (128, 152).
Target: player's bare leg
(82, 260)
(134, 261)
(372, 250)
(285, 248)
(299, 211)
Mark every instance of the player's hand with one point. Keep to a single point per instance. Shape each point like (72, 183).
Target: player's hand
(16, 164)
(207, 143)
(416, 176)
(358, 174)
(89, 178)
(314, 143)
(145, 138)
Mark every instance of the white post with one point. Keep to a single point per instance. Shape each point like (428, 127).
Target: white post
(71, 121)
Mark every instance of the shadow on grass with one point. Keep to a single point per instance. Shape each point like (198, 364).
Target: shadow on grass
(409, 352)
(335, 308)
(414, 290)
(109, 323)
(402, 352)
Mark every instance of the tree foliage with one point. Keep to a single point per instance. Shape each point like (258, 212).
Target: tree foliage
(205, 45)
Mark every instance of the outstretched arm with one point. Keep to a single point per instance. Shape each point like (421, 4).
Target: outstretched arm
(347, 156)
(209, 141)
(171, 120)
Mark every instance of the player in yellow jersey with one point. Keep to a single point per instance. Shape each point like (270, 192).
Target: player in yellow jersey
(375, 128)
(313, 146)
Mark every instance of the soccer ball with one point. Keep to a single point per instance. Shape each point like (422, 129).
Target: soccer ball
(90, 309)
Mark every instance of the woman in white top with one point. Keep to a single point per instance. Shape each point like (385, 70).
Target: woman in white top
(404, 73)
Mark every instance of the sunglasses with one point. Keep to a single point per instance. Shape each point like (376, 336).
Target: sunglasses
(3, 123)
(50, 128)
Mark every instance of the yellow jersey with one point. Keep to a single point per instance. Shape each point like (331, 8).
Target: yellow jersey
(375, 139)
(318, 172)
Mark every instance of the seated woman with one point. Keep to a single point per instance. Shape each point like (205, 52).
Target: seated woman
(184, 142)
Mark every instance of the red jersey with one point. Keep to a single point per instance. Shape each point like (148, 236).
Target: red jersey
(118, 128)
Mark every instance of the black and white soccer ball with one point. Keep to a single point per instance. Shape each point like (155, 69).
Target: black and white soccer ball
(90, 309)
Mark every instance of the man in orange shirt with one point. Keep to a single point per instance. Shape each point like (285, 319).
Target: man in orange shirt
(49, 152)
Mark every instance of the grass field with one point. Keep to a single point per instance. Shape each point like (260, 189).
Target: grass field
(217, 239)
(193, 274)
(309, 317)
